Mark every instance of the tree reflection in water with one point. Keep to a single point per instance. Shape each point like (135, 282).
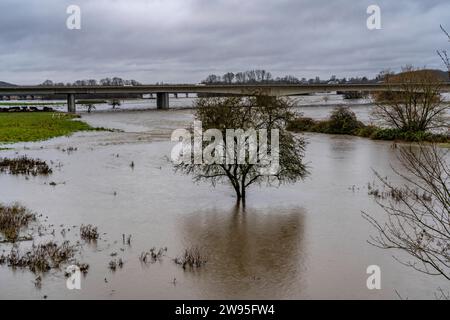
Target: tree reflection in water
(252, 253)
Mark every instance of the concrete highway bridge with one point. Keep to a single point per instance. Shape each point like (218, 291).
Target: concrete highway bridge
(162, 91)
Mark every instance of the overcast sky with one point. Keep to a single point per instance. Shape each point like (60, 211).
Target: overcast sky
(185, 40)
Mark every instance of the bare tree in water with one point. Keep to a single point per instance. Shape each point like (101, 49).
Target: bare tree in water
(443, 53)
(418, 215)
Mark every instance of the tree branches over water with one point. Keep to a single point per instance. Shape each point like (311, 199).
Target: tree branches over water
(443, 54)
(416, 224)
(251, 114)
(417, 106)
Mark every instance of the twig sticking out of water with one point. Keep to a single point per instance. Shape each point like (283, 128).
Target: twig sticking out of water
(126, 240)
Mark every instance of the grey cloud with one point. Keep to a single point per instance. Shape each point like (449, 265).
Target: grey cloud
(184, 40)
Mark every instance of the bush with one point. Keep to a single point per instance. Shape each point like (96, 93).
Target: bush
(367, 131)
(343, 121)
(301, 124)
(410, 136)
(385, 134)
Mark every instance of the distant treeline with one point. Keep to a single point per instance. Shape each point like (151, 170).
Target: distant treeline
(263, 76)
(116, 81)
(94, 96)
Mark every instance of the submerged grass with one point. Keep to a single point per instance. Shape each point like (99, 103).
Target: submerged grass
(152, 256)
(24, 165)
(40, 258)
(36, 126)
(13, 219)
(192, 259)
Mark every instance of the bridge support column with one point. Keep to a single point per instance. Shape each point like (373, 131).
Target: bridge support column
(162, 100)
(71, 106)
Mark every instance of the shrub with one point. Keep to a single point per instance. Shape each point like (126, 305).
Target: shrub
(367, 131)
(301, 124)
(385, 134)
(343, 121)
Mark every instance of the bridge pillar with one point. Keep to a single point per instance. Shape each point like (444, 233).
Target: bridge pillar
(162, 100)
(71, 105)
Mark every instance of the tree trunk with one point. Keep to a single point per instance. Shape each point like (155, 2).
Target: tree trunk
(238, 194)
(243, 194)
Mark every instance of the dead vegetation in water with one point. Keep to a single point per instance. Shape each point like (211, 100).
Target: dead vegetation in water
(13, 219)
(115, 264)
(40, 258)
(396, 194)
(82, 267)
(69, 150)
(152, 255)
(89, 232)
(192, 259)
(24, 166)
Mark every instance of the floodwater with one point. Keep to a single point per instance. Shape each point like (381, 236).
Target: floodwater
(300, 241)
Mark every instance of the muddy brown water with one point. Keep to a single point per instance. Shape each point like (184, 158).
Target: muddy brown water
(299, 241)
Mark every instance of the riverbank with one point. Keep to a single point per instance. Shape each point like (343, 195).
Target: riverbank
(343, 121)
(31, 126)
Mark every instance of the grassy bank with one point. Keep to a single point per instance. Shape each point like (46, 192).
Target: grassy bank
(36, 126)
(343, 121)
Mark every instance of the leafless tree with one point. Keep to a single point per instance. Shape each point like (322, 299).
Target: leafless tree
(413, 101)
(228, 77)
(443, 53)
(418, 219)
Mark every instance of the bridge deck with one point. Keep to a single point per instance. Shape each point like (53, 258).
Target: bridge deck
(162, 91)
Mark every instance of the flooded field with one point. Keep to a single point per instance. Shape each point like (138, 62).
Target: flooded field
(302, 241)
